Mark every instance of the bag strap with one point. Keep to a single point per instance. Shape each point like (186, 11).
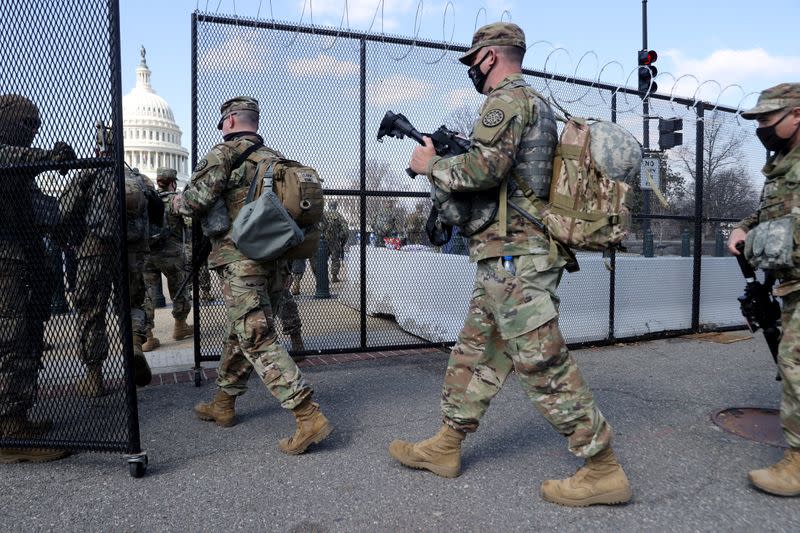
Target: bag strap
(257, 185)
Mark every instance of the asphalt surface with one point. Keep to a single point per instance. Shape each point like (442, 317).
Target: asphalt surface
(686, 474)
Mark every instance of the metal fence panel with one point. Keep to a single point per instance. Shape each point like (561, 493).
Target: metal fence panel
(64, 296)
(323, 94)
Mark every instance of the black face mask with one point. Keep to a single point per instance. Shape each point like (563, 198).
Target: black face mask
(771, 140)
(479, 78)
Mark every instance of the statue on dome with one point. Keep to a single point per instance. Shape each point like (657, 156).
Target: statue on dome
(142, 52)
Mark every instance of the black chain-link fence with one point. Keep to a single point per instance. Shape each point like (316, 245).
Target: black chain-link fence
(323, 94)
(65, 323)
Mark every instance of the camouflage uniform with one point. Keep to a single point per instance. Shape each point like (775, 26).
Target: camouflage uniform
(24, 278)
(512, 322)
(779, 197)
(90, 205)
(415, 226)
(167, 255)
(234, 367)
(333, 228)
(250, 288)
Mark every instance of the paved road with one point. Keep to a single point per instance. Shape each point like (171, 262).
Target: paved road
(687, 475)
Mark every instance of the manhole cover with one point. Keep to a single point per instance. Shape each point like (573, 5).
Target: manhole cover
(752, 423)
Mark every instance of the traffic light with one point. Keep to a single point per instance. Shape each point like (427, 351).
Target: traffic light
(669, 133)
(647, 72)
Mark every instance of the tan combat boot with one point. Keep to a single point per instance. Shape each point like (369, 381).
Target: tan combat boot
(782, 478)
(151, 343)
(600, 481)
(312, 428)
(91, 384)
(220, 409)
(182, 330)
(32, 455)
(21, 427)
(297, 342)
(441, 454)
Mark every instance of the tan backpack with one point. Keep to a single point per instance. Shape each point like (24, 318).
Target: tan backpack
(299, 188)
(587, 207)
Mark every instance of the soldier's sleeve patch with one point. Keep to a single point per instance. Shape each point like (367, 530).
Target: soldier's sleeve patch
(203, 163)
(494, 121)
(493, 117)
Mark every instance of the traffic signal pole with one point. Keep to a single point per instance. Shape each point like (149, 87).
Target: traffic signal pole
(647, 234)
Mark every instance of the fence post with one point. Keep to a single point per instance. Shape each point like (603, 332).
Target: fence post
(698, 215)
(719, 243)
(321, 271)
(685, 242)
(647, 243)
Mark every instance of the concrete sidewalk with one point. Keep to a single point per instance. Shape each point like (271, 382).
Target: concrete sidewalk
(687, 475)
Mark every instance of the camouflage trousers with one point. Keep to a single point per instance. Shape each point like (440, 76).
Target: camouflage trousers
(93, 281)
(169, 262)
(252, 291)
(512, 324)
(789, 368)
(138, 298)
(20, 359)
(335, 251)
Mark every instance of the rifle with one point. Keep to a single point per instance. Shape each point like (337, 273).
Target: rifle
(199, 256)
(759, 306)
(446, 142)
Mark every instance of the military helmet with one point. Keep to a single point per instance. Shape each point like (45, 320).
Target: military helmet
(615, 151)
(19, 120)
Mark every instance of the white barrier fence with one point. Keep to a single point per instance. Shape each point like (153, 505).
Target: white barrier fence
(428, 293)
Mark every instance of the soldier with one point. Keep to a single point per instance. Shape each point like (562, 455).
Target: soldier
(89, 207)
(24, 302)
(252, 289)
(297, 268)
(512, 322)
(777, 113)
(415, 225)
(167, 256)
(335, 231)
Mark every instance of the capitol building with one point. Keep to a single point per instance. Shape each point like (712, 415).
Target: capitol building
(152, 137)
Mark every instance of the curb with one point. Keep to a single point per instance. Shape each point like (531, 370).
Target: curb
(187, 376)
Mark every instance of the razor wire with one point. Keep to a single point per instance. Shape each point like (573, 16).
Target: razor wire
(675, 89)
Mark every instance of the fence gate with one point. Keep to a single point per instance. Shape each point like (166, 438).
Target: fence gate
(323, 93)
(65, 324)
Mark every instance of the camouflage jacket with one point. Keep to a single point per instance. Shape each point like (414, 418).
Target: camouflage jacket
(333, 228)
(214, 178)
(779, 197)
(175, 230)
(89, 208)
(505, 118)
(779, 194)
(17, 185)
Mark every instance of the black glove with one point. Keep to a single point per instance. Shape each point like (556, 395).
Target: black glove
(62, 152)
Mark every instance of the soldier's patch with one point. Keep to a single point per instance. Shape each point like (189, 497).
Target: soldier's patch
(493, 117)
(201, 165)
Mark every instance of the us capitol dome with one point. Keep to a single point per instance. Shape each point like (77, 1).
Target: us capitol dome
(152, 138)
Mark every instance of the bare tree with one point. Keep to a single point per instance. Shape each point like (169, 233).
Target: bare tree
(380, 176)
(461, 120)
(727, 189)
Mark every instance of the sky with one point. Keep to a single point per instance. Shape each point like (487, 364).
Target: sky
(721, 51)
